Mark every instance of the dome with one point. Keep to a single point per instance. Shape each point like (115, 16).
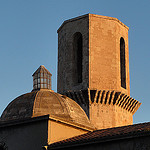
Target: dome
(44, 102)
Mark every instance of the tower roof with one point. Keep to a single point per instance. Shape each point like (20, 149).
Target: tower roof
(41, 69)
(94, 15)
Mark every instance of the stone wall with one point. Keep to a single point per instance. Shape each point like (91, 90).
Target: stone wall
(104, 53)
(104, 116)
(106, 109)
(24, 136)
(101, 54)
(101, 69)
(58, 131)
(65, 80)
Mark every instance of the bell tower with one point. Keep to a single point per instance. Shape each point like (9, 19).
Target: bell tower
(93, 68)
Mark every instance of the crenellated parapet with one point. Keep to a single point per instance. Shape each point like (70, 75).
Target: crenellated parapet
(104, 97)
(101, 106)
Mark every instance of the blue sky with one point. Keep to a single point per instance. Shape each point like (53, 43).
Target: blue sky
(28, 39)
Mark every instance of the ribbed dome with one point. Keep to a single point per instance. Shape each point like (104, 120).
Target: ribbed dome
(44, 102)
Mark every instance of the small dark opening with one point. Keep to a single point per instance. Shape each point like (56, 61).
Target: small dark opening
(2, 147)
(122, 63)
(77, 46)
(92, 93)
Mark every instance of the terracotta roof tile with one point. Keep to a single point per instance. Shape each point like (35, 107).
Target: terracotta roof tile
(105, 135)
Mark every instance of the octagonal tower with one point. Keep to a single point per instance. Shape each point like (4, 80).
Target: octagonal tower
(93, 68)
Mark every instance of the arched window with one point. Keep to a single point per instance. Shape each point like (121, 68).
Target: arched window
(77, 57)
(122, 63)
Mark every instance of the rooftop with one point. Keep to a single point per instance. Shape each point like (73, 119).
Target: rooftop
(105, 135)
(93, 15)
(45, 102)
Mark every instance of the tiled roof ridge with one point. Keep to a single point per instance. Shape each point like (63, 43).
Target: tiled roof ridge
(135, 130)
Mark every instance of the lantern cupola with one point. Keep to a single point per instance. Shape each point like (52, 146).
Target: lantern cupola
(41, 79)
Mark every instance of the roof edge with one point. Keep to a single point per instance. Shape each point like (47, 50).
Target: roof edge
(121, 137)
(22, 121)
(109, 18)
(44, 117)
(72, 19)
(40, 68)
(80, 126)
(139, 132)
(91, 15)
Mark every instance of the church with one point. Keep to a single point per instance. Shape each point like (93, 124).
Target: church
(92, 108)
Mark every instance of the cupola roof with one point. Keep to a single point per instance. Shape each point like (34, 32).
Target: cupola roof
(43, 101)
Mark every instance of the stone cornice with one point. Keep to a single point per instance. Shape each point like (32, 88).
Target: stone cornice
(105, 97)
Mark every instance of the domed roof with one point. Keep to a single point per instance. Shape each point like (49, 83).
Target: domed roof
(44, 102)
